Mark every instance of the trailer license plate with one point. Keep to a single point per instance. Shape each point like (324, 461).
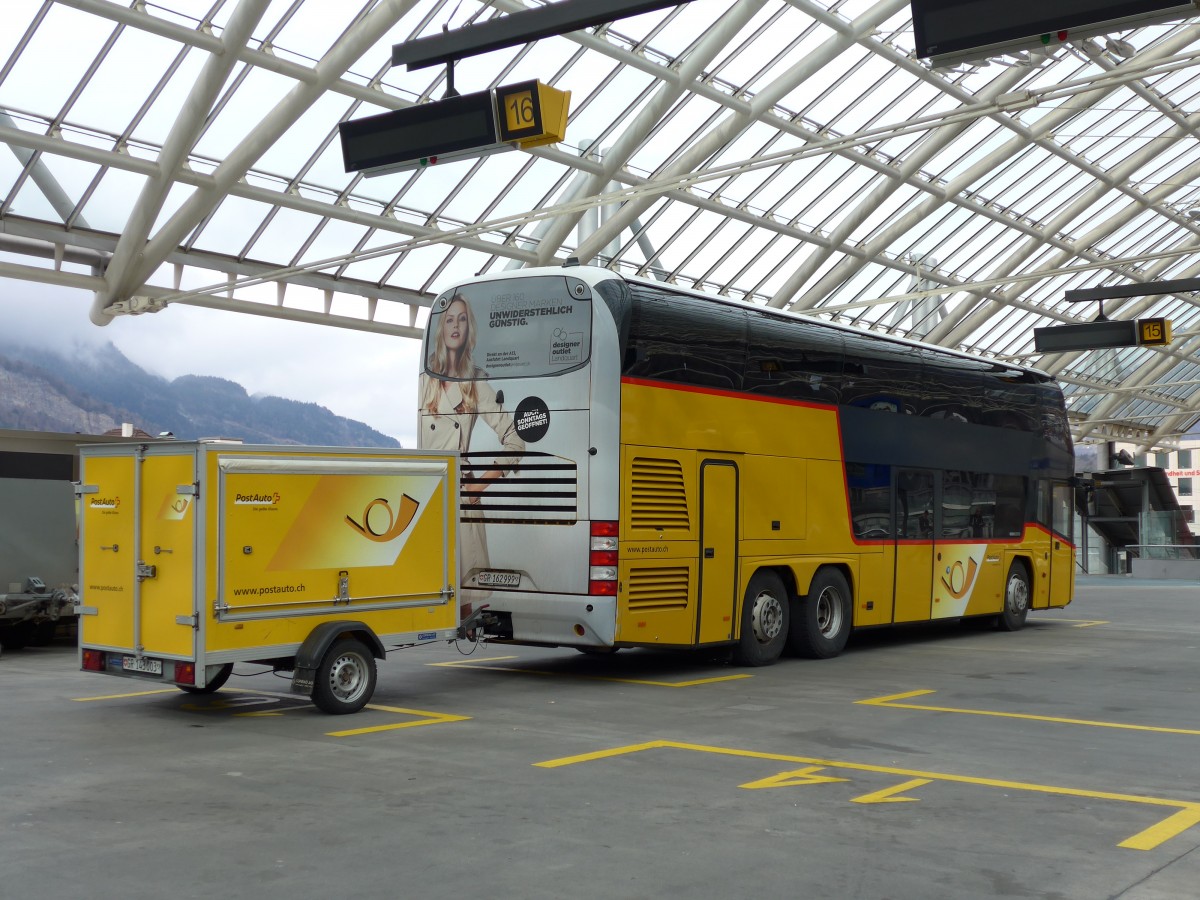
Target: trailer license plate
(149, 666)
(499, 579)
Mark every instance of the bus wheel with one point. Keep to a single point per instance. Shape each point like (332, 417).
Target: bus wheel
(214, 684)
(345, 679)
(1016, 598)
(822, 620)
(764, 621)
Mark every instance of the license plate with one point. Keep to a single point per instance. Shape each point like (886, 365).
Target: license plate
(141, 664)
(498, 579)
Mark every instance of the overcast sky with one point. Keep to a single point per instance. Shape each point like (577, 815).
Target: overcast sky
(368, 377)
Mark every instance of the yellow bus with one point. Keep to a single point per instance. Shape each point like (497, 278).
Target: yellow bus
(645, 466)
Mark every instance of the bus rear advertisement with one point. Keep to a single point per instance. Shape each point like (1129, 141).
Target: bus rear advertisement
(644, 466)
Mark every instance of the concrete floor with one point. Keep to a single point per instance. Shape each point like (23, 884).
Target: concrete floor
(1062, 761)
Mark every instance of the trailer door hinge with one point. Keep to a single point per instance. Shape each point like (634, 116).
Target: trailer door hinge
(144, 571)
(189, 490)
(193, 620)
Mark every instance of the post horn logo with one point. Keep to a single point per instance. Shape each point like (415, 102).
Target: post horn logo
(396, 524)
(958, 582)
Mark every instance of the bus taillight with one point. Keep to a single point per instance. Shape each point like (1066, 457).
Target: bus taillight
(602, 572)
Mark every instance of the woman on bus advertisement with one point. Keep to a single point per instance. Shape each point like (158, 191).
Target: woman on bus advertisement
(451, 405)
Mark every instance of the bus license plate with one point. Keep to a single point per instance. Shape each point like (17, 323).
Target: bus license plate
(499, 579)
(149, 666)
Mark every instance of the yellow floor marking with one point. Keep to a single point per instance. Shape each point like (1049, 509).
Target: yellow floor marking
(1078, 623)
(670, 684)
(254, 698)
(170, 690)
(1188, 813)
(1164, 830)
(890, 703)
(792, 779)
(888, 795)
(428, 718)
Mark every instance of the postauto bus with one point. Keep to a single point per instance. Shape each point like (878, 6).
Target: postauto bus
(646, 466)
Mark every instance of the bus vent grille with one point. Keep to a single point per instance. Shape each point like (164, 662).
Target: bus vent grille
(658, 588)
(658, 499)
(536, 488)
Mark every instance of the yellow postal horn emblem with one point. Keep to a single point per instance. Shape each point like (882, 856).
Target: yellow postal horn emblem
(396, 522)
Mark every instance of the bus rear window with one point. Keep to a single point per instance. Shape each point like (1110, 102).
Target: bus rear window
(515, 328)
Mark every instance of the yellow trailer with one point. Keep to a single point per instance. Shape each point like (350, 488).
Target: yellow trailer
(315, 561)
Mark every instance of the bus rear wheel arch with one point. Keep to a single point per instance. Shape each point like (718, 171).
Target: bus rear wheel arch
(821, 620)
(765, 620)
(1017, 593)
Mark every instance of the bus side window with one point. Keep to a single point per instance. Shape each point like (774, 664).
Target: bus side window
(870, 500)
(1043, 503)
(1010, 506)
(679, 340)
(794, 363)
(1062, 513)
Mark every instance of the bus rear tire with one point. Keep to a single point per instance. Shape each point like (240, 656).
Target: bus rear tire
(1016, 598)
(821, 621)
(765, 613)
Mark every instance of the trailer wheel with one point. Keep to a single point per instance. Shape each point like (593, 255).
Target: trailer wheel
(345, 679)
(214, 684)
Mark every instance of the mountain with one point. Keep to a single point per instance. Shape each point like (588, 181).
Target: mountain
(98, 390)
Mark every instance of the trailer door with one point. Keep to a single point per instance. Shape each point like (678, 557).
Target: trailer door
(137, 546)
(106, 549)
(166, 557)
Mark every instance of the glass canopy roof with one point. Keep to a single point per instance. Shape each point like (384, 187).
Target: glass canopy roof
(793, 153)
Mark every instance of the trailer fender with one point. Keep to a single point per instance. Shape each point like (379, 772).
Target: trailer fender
(319, 640)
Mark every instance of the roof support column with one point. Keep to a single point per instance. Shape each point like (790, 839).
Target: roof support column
(348, 48)
(182, 137)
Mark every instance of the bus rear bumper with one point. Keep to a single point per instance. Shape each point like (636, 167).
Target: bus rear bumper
(567, 620)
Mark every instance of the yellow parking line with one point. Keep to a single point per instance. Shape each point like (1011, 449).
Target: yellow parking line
(227, 705)
(469, 664)
(428, 718)
(169, 690)
(1188, 813)
(891, 703)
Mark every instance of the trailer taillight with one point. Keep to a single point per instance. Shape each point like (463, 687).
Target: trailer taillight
(93, 661)
(603, 559)
(185, 673)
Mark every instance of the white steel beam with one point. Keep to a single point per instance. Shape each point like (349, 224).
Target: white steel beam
(715, 39)
(345, 52)
(734, 124)
(189, 122)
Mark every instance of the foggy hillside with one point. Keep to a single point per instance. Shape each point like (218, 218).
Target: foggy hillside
(96, 391)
